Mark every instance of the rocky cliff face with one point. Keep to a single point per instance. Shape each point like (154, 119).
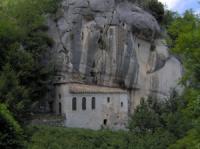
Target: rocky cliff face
(112, 43)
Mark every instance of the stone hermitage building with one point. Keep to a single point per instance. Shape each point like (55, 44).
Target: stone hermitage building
(90, 106)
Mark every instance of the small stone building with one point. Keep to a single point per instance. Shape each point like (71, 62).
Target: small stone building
(90, 106)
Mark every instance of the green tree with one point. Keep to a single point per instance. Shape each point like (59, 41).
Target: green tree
(184, 38)
(190, 141)
(154, 118)
(145, 118)
(12, 93)
(168, 18)
(24, 46)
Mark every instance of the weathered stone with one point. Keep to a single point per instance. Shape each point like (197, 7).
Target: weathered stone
(113, 44)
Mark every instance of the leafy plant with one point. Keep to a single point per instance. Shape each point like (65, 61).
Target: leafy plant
(11, 134)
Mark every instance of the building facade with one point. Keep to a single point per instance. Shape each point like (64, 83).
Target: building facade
(90, 106)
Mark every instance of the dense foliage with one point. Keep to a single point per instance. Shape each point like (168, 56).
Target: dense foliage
(162, 115)
(66, 138)
(184, 38)
(11, 134)
(23, 72)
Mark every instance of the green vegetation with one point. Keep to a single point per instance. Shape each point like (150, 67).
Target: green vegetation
(23, 46)
(162, 116)
(23, 74)
(185, 41)
(66, 138)
(11, 134)
(184, 38)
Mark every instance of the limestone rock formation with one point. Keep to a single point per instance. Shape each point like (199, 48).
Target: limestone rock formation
(111, 43)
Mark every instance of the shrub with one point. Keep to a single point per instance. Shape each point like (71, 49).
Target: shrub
(143, 122)
(67, 138)
(11, 134)
(152, 115)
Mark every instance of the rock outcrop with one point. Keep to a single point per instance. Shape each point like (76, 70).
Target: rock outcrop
(111, 43)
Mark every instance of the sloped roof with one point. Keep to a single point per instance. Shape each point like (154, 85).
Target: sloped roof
(82, 88)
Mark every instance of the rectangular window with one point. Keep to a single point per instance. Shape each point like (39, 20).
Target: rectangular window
(74, 104)
(93, 103)
(84, 103)
(108, 99)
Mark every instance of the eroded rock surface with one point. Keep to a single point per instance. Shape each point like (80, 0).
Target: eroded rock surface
(109, 43)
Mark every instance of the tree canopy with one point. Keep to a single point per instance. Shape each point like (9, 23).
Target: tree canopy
(24, 44)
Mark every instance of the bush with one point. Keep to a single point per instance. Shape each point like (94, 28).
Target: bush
(141, 121)
(66, 138)
(152, 116)
(161, 139)
(11, 134)
(190, 141)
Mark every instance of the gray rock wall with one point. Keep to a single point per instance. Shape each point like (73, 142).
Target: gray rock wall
(108, 43)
